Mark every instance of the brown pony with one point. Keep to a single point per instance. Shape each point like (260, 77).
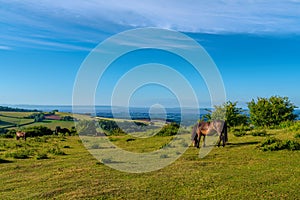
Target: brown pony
(20, 134)
(205, 128)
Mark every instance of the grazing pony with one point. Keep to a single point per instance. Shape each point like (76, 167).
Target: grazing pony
(20, 134)
(205, 128)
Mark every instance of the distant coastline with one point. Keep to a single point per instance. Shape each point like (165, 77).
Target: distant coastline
(121, 112)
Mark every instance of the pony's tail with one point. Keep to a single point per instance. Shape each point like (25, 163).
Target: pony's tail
(225, 132)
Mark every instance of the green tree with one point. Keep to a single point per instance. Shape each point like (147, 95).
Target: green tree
(231, 113)
(272, 111)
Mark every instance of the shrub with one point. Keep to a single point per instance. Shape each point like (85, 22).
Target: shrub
(3, 130)
(294, 127)
(240, 131)
(10, 134)
(273, 144)
(164, 156)
(229, 111)
(297, 135)
(95, 146)
(259, 133)
(56, 151)
(169, 130)
(272, 111)
(18, 154)
(41, 155)
(38, 131)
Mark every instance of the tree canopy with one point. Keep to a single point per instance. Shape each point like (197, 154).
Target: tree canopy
(271, 111)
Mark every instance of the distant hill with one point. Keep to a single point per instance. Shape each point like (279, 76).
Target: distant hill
(9, 109)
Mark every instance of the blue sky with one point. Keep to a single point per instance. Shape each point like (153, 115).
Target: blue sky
(255, 45)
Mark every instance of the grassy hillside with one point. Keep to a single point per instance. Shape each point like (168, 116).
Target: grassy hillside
(241, 170)
(52, 124)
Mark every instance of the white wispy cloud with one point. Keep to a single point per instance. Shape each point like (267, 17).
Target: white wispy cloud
(5, 47)
(91, 21)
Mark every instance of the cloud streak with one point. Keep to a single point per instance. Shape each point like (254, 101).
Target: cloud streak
(92, 21)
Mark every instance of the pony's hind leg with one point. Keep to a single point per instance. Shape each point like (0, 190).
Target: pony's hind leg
(224, 140)
(220, 139)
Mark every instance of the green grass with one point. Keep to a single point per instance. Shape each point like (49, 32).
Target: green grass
(16, 114)
(52, 124)
(241, 170)
(10, 121)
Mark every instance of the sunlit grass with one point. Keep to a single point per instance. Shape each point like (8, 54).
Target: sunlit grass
(240, 170)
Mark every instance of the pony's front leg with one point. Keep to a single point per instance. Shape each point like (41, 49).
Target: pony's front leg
(198, 141)
(204, 141)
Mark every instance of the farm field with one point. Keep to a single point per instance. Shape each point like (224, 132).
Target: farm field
(15, 119)
(11, 119)
(240, 170)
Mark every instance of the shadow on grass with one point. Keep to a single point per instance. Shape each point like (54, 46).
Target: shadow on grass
(5, 161)
(230, 145)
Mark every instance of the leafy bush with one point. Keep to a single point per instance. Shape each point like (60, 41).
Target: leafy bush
(297, 135)
(259, 133)
(20, 154)
(273, 144)
(295, 126)
(67, 118)
(38, 131)
(272, 111)
(229, 111)
(56, 151)
(286, 124)
(169, 130)
(3, 131)
(38, 117)
(240, 130)
(164, 156)
(41, 155)
(95, 146)
(9, 134)
(239, 133)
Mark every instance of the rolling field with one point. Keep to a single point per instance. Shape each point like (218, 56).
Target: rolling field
(241, 170)
(15, 119)
(8, 119)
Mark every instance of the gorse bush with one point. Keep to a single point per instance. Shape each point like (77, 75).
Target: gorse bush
(258, 132)
(38, 131)
(295, 126)
(56, 151)
(240, 130)
(297, 135)
(169, 129)
(20, 154)
(41, 155)
(273, 144)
